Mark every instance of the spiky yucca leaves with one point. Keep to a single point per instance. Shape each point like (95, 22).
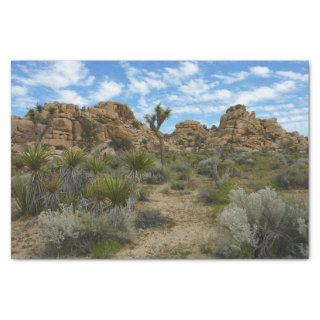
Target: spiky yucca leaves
(52, 195)
(35, 158)
(19, 191)
(72, 177)
(97, 165)
(137, 162)
(108, 191)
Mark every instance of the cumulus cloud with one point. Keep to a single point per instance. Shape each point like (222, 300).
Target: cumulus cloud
(106, 90)
(293, 75)
(260, 71)
(232, 77)
(264, 93)
(70, 96)
(57, 74)
(18, 91)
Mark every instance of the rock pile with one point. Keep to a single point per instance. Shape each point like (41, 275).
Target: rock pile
(61, 125)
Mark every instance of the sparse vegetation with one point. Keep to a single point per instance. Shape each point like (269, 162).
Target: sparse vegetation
(121, 144)
(119, 200)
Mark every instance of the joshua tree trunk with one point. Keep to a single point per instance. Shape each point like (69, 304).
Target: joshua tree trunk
(161, 140)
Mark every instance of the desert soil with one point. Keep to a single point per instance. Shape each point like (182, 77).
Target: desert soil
(191, 223)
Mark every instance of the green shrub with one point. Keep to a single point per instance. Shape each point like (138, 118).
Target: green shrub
(105, 249)
(144, 193)
(137, 162)
(216, 195)
(109, 189)
(97, 165)
(19, 191)
(205, 195)
(177, 185)
(121, 143)
(89, 130)
(182, 170)
(262, 225)
(156, 175)
(296, 176)
(53, 110)
(150, 219)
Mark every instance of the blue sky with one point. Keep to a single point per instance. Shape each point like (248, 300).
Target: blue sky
(194, 90)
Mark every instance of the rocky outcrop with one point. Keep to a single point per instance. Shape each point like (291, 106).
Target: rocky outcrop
(61, 125)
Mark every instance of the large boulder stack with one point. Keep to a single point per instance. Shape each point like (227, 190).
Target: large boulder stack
(61, 125)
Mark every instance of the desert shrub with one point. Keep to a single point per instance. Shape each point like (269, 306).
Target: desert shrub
(60, 228)
(205, 195)
(295, 176)
(150, 219)
(204, 167)
(144, 193)
(279, 160)
(216, 195)
(52, 110)
(108, 191)
(105, 249)
(262, 225)
(97, 165)
(121, 220)
(19, 191)
(89, 130)
(182, 170)
(121, 144)
(39, 107)
(177, 185)
(212, 167)
(137, 162)
(156, 175)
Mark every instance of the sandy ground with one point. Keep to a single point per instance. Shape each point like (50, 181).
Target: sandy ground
(26, 241)
(191, 223)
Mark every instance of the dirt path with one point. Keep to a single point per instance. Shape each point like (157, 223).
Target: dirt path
(192, 223)
(26, 242)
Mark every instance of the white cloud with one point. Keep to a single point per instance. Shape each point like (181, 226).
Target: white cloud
(185, 70)
(187, 109)
(233, 77)
(107, 90)
(18, 91)
(264, 93)
(57, 75)
(293, 75)
(260, 71)
(70, 96)
(196, 87)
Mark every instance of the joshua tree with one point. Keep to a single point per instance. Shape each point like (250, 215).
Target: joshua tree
(155, 121)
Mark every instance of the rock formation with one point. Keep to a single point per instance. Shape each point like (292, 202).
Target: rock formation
(61, 125)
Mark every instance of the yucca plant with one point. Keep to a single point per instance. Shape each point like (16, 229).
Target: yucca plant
(108, 191)
(97, 165)
(19, 191)
(72, 177)
(52, 194)
(137, 162)
(35, 158)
